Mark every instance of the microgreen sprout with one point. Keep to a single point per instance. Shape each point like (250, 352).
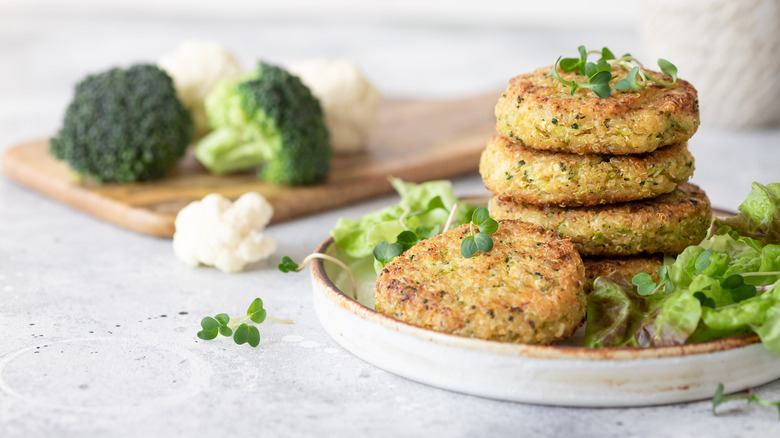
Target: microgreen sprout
(646, 286)
(755, 274)
(384, 251)
(737, 287)
(599, 74)
(734, 284)
(704, 300)
(480, 241)
(750, 396)
(288, 265)
(242, 332)
(450, 218)
(703, 261)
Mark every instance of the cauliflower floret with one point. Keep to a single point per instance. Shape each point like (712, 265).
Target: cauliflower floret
(195, 67)
(226, 235)
(350, 102)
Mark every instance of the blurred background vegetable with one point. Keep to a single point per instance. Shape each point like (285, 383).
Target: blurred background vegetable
(266, 118)
(196, 67)
(349, 100)
(124, 125)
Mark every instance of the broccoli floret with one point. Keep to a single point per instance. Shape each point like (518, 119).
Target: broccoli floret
(266, 118)
(124, 125)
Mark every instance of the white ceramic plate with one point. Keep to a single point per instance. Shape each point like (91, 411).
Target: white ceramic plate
(553, 375)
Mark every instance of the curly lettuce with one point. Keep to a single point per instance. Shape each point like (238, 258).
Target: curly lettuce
(725, 286)
(423, 208)
(759, 215)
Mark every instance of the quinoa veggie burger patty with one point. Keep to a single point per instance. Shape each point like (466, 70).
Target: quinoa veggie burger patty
(528, 176)
(628, 266)
(539, 112)
(527, 288)
(667, 224)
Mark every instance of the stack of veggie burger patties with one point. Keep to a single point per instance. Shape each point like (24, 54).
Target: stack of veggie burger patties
(608, 172)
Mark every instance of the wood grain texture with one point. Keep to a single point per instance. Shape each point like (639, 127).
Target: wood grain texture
(414, 140)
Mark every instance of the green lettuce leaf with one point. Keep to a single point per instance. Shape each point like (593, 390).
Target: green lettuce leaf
(417, 197)
(759, 215)
(674, 318)
(351, 237)
(760, 314)
(769, 331)
(423, 208)
(725, 286)
(619, 317)
(770, 262)
(615, 313)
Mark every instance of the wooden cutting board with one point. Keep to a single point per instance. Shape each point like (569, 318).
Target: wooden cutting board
(414, 140)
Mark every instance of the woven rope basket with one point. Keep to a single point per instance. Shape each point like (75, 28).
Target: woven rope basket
(728, 49)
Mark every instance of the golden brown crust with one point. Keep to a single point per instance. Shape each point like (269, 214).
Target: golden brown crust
(528, 288)
(539, 112)
(528, 176)
(628, 266)
(667, 224)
